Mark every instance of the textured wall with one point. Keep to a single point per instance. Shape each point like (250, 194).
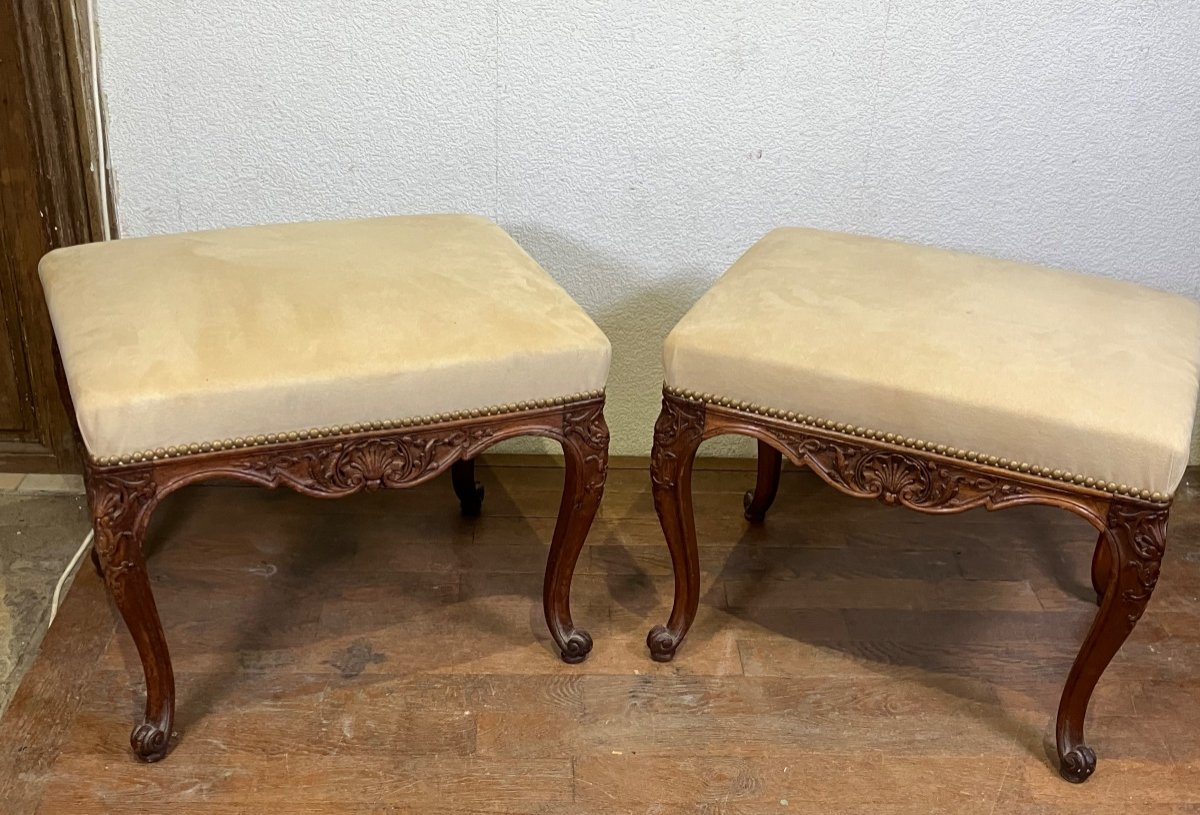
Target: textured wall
(636, 148)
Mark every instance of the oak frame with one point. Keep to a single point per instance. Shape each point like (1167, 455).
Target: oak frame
(1125, 567)
(122, 499)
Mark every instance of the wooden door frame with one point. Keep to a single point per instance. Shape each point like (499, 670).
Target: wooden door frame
(49, 197)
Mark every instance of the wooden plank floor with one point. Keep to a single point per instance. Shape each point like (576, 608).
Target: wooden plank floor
(380, 654)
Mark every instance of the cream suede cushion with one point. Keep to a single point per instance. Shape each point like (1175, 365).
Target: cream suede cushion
(1088, 375)
(240, 332)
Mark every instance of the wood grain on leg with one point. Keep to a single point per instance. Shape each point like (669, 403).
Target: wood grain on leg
(677, 435)
(121, 505)
(1101, 567)
(585, 445)
(1136, 541)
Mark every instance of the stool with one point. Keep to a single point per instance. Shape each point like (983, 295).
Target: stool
(940, 381)
(325, 357)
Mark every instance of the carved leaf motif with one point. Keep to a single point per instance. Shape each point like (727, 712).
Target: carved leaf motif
(587, 425)
(119, 503)
(861, 468)
(892, 476)
(585, 428)
(1142, 537)
(679, 420)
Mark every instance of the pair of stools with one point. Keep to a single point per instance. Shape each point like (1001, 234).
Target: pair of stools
(337, 357)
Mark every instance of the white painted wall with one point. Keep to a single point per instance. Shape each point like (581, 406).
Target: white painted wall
(636, 147)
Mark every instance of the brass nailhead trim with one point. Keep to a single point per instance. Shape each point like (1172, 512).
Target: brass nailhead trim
(919, 444)
(336, 430)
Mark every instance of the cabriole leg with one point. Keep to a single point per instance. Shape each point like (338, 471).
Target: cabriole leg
(585, 445)
(121, 504)
(677, 435)
(1135, 539)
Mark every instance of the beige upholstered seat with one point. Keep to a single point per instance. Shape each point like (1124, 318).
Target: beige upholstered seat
(212, 336)
(1080, 378)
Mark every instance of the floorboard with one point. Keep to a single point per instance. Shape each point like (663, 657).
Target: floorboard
(381, 654)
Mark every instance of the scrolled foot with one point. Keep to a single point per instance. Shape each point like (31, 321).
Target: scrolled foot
(472, 503)
(662, 643)
(576, 646)
(149, 742)
(1078, 765)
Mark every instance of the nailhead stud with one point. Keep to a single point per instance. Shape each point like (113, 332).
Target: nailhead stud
(792, 416)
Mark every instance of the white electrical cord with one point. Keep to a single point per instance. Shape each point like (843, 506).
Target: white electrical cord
(54, 601)
(102, 176)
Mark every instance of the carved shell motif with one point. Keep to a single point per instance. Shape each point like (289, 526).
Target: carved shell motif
(389, 462)
(893, 478)
(373, 465)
